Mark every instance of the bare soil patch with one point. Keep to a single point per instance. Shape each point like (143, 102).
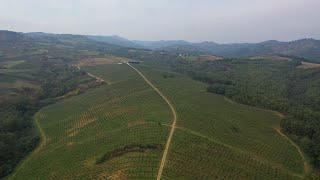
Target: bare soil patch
(102, 60)
(271, 57)
(307, 65)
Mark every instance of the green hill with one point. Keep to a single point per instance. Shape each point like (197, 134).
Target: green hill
(119, 131)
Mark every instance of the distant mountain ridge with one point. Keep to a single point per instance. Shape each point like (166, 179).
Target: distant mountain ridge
(11, 37)
(306, 48)
(117, 41)
(10, 40)
(153, 45)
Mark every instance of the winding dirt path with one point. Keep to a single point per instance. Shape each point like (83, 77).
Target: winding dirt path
(307, 168)
(173, 126)
(96, 77)
(305, 162)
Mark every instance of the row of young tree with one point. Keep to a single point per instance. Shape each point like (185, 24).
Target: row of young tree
(274, 85)
(17, 133)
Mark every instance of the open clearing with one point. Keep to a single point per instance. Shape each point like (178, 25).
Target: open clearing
(307, 65)
(271, 57)
(125, 130)
(101, 61)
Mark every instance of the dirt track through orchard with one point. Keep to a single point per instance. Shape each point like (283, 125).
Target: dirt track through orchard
(305, 162)
(97, 78)
(173, 126)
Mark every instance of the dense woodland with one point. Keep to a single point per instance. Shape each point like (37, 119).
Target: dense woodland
(274, 85)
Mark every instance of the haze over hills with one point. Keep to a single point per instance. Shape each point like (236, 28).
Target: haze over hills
(138, 89)
(117, 41)
(91, 73)
(305, 48)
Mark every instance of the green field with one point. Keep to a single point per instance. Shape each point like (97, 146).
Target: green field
(119, 131)
(216, 138)
(81, 130)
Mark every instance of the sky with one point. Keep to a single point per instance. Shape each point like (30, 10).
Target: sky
(223, 21)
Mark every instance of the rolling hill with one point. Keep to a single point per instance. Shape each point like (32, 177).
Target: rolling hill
(119, 131)
(160, 116)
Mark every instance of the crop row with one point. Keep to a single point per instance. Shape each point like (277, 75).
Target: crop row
(247, 132)
(83, 128)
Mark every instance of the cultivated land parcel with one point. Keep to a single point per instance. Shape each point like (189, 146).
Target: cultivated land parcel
(120, 131)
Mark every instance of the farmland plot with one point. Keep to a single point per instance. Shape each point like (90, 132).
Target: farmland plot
(112, 132)
(119, 131)
(219, 139)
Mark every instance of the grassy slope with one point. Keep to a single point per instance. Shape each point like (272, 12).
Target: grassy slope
(216, 138)
(83, 128)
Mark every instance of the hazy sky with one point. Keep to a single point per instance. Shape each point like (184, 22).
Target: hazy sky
(221, 21)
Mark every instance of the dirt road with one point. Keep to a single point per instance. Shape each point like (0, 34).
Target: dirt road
(173, 126)
(97, 78)
(305, 162)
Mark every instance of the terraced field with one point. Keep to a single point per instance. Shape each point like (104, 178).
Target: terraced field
(119, 131)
